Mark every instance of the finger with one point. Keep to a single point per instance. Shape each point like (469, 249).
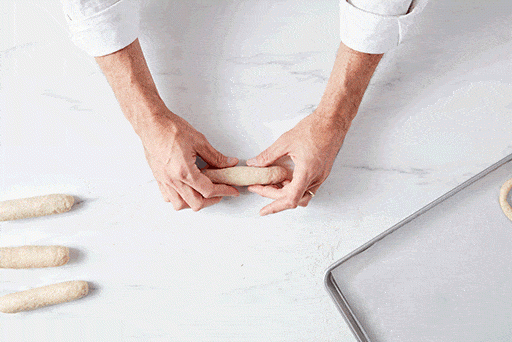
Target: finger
(269, 191)
(208, 202)
(171, 195)
(177, 202)
(293, 192)
(207, 189)
(270, 155)
(304, 201)
(286, 182)
(164, 191)
(299, 184)
(275, 207)
(194, 199)
(213, 157)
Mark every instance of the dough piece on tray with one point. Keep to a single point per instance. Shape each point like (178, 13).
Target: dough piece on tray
(43, 296)
(33, 256)
(247, 175)
(35, 206)
(505, 189)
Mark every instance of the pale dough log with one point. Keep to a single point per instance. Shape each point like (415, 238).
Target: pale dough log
(33, 256)
(35, 206)
(247, 175)
(505, 189)
(43, 296)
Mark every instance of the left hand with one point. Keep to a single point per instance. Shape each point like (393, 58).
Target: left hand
(312, 145)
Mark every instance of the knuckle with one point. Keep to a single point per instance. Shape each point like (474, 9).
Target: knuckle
(304, 204)
(178, 206)
(219, 159)
(291, 203)
(182, 174)
(196, 205)
(201, 138)
(201, 141)
(208, 191)
(196, 208)
(262, 158)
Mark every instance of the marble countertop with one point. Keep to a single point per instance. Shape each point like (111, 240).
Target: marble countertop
(437, 111)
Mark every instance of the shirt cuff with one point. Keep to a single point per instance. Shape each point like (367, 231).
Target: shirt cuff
(107, 31)
(372, 33)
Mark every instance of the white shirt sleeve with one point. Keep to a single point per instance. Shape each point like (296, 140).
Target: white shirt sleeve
(376, 26)
(101, 27)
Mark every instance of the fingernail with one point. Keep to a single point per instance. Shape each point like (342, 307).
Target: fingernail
(232, 160)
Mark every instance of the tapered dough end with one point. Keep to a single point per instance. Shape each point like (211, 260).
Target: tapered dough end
(67, 202)
(56, 203)
(82, 288)
(43, 296)
(61, 256)
(505, 206)
(35, 206)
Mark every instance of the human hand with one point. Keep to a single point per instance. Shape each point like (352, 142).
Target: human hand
(312, 145)
(171, 146)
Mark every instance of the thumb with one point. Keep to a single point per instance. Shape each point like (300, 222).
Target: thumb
(269, 156)
(214, 158)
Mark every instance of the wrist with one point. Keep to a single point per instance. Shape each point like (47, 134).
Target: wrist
(128, 74)
(142, 111)
(346, 86)
(337, 112)
(148, 117)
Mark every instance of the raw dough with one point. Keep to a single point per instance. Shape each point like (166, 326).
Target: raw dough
(35, 206)
(505, 189)
(43, 296)
(247, 175)
(33, 256)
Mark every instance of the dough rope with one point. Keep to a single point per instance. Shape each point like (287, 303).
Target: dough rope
(505, 206)
(35, 206)
(247, 175)
(43, 296)
(33, 256)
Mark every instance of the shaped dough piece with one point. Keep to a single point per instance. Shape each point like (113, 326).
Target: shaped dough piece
(43, 296)
(247, 175)
(35, 206)
(33, 256)
(505, 189)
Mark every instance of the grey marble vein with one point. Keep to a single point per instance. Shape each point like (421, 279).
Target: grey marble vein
(410, 171)
(76, 103)
(285, 61)
(316, 75)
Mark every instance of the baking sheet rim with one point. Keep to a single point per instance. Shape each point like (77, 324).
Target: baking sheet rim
(337, 295)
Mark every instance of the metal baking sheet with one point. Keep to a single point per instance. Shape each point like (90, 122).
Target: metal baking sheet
(442, 274)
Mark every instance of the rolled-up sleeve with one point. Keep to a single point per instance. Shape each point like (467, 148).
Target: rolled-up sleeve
(377, 26)
(101, 27)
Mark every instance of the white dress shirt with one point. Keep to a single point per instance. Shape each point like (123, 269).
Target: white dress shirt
(377, 26)
(101, 27)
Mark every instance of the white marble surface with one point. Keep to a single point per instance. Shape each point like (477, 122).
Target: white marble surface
(437, 111)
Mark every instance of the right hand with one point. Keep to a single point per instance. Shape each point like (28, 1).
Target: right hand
(171, 146)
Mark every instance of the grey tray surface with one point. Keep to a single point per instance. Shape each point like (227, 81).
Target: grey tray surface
(442, 274)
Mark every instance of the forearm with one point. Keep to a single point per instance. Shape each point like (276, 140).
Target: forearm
(347, 84)
(128, 74)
